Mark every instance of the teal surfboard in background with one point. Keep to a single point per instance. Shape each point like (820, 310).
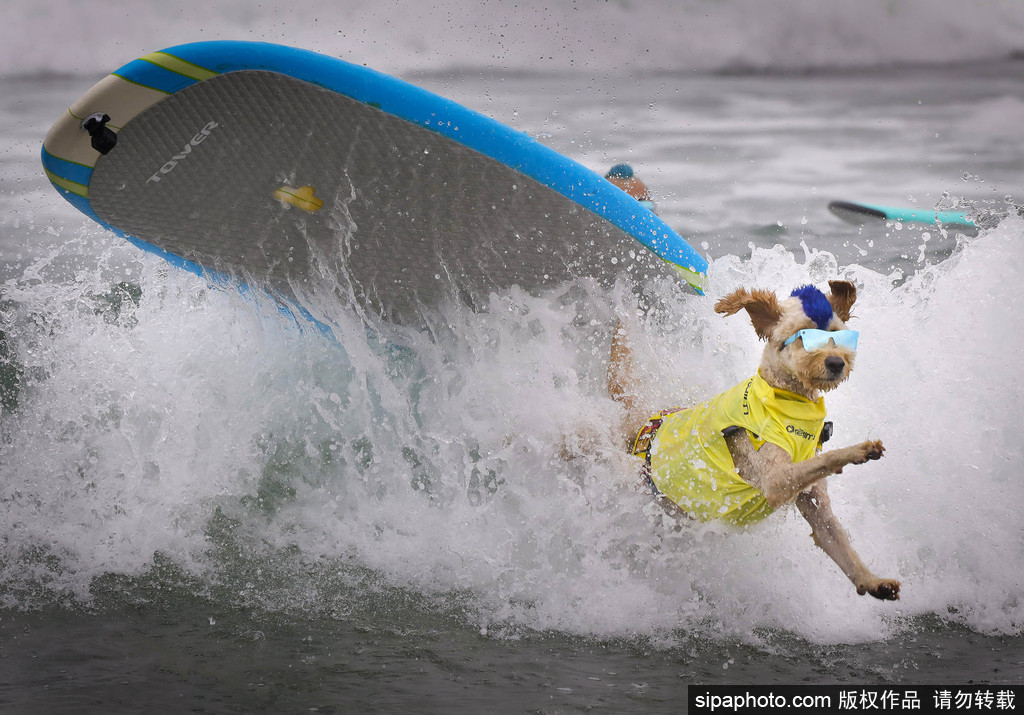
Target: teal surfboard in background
(285, 167)
(858, 213)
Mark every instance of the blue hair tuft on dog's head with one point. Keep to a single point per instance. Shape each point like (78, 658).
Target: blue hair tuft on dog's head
(816, 305)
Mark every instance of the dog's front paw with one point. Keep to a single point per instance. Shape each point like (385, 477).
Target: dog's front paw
(870, 450)
(885, 589)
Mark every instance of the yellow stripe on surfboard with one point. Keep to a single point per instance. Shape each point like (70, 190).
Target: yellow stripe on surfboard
(692, 277)
(72, 186)
(172, 63)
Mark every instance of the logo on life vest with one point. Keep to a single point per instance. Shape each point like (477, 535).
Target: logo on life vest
(792, 429)
(172, 163)
(746, 398)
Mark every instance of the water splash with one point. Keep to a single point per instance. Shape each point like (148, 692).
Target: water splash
(161, 424)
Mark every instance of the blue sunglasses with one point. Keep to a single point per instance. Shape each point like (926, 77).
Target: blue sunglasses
(817, 339)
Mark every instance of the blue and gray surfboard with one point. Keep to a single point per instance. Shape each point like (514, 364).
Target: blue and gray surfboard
(285, 167)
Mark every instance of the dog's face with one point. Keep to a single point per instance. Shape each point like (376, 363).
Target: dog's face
(776, 321)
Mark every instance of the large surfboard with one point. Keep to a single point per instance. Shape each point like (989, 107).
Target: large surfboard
(292, 169)
(858, 213)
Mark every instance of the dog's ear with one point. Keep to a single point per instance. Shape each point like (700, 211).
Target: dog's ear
(761, 305)
(842, 298)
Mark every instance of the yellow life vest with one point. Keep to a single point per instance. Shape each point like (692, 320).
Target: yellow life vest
(690, 461)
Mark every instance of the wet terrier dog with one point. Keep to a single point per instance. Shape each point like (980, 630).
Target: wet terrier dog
(757, 446)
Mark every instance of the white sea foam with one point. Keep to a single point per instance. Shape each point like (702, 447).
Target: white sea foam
(438, 464)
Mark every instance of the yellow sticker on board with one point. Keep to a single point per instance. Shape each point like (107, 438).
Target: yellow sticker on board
(304, 197)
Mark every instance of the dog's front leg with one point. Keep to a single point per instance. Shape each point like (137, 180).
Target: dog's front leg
(772, 470)
(829, 534)
(793, 478)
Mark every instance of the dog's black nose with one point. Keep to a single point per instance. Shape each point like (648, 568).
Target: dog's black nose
(834, 364)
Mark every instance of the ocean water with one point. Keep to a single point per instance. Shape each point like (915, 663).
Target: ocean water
(204, 507)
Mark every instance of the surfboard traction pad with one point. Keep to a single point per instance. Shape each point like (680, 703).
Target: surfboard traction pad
(409, 217)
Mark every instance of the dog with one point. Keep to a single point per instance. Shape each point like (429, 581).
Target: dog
(755, 447)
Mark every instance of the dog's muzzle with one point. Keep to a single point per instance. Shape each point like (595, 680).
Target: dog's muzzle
(835, 365)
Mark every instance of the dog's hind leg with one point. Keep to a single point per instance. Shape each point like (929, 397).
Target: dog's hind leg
(621, 380)
(622, 383)
(830, 535)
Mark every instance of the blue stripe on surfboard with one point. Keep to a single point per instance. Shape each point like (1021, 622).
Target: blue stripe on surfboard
(78, 173)
(465, 126)
(153, 76)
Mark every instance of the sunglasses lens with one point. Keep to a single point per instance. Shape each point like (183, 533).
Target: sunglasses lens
(847, 338)
(818, 339)
(814, 339)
